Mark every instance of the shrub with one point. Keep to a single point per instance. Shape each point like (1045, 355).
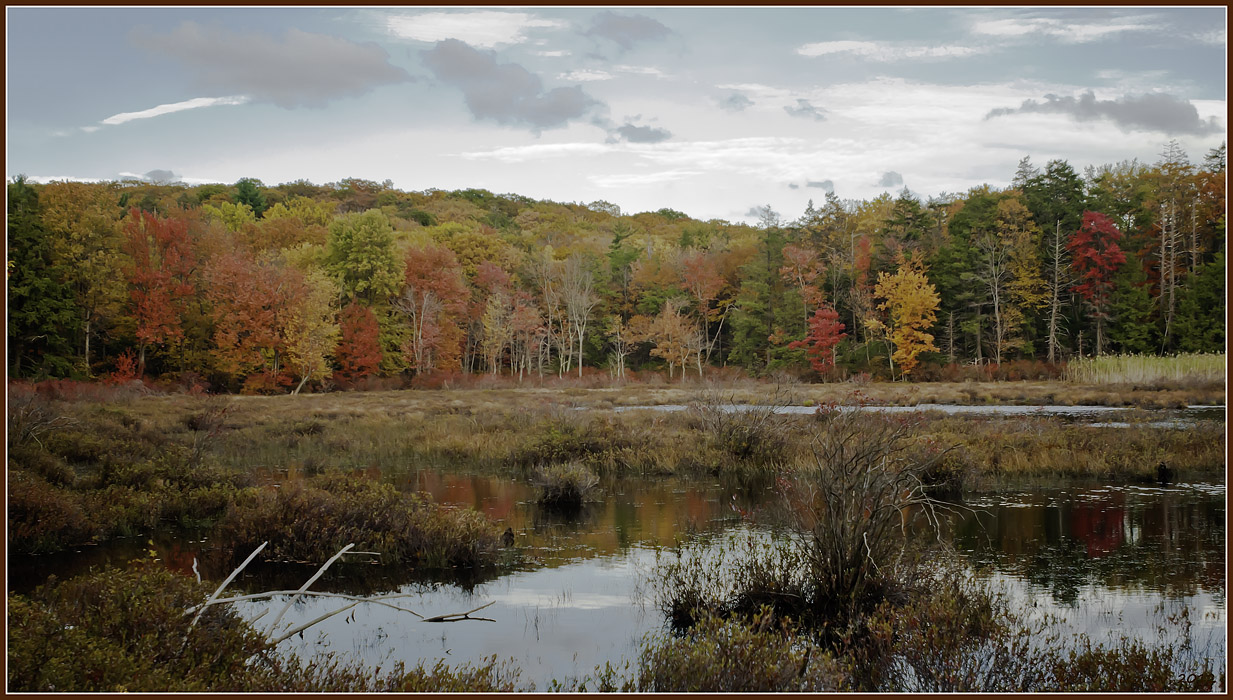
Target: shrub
(122, 630)
(735, 655)
(564, 486)
(311, 520)
(747, 434)
(43, 518)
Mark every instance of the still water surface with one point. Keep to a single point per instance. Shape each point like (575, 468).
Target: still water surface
(1106, 558)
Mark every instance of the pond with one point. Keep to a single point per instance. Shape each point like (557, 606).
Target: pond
(1105, 558)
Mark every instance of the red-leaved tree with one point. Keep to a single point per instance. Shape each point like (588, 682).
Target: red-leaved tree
(825, 331)
(159, 279)
(359, 349)
(1096, 256)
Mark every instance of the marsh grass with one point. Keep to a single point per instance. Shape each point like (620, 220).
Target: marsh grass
(109, 469)
(990, 450)
(564, 487)
(1149, 370)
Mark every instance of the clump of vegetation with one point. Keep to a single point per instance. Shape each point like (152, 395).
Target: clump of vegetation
(310, 520)
(564, 487)
(123, 630)
(850, 513)
(1149, 370)
(127, 630)
(748, 435)
(759, 653)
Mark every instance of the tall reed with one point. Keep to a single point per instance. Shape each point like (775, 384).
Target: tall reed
(1147, 369)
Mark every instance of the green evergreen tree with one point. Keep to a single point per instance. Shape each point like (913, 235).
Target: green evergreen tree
(248, 191)
(40, 306)
(1201, 309)
(1131, 329)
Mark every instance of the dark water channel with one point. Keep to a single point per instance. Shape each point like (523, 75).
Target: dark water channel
(1104, 558)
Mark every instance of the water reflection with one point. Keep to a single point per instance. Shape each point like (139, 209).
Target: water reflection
(1121, 537)
(1104, 558)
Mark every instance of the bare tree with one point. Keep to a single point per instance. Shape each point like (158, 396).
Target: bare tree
(578, 292)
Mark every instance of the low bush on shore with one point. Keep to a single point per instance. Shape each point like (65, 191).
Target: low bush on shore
(309, 520)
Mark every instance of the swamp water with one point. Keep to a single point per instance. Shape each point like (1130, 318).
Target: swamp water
(1105, 559)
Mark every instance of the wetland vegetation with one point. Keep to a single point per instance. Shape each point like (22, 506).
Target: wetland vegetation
(853, 589)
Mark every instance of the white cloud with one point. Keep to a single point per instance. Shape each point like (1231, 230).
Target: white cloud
(1069, 32)
(551, 54)
(658, 177)
(484, 29)
(1215, 37)
(886, 52)
(195, 103)
(640, 70)
(523, 154)
(585, 75)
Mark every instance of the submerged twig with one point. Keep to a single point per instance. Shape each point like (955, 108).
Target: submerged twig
(457, 617)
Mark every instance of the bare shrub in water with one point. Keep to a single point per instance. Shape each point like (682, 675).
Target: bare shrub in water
(854, 507)
(748, 433)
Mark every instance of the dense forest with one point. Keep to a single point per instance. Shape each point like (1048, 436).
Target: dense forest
(257, 288)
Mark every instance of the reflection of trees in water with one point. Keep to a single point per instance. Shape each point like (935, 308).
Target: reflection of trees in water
(1171, 540)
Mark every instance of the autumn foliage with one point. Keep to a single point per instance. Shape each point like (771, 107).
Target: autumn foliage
(825, 332)
(359, 349)
(1096, 256)
(159, 277)
(911, 302)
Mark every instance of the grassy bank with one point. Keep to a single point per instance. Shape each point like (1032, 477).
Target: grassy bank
(91, 470)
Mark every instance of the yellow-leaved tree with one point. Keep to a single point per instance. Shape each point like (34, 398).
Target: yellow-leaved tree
(912, 302)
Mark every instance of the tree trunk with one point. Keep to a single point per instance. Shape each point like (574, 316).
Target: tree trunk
(303, 381)
(87, 348)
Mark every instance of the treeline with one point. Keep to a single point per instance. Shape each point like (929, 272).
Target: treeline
(257, 288)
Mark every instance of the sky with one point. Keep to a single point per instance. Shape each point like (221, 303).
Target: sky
(714, 112)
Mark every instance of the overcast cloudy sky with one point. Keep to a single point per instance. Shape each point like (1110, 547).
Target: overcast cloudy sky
(710, 111)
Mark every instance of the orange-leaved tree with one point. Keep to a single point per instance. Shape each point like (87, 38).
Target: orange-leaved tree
(912, 302)
(359, 347)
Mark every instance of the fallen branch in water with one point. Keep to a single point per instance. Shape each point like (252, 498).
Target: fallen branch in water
(458, 617)
(304, 592)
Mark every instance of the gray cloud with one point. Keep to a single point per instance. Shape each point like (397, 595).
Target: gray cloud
(793, 186)
(1157, 112)
(627, 30)
(804, 109)
(161, 176)
(638, 134)
(825, 185)
(735, 102)
(890, 178)
(302, 70)
(506, 93)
